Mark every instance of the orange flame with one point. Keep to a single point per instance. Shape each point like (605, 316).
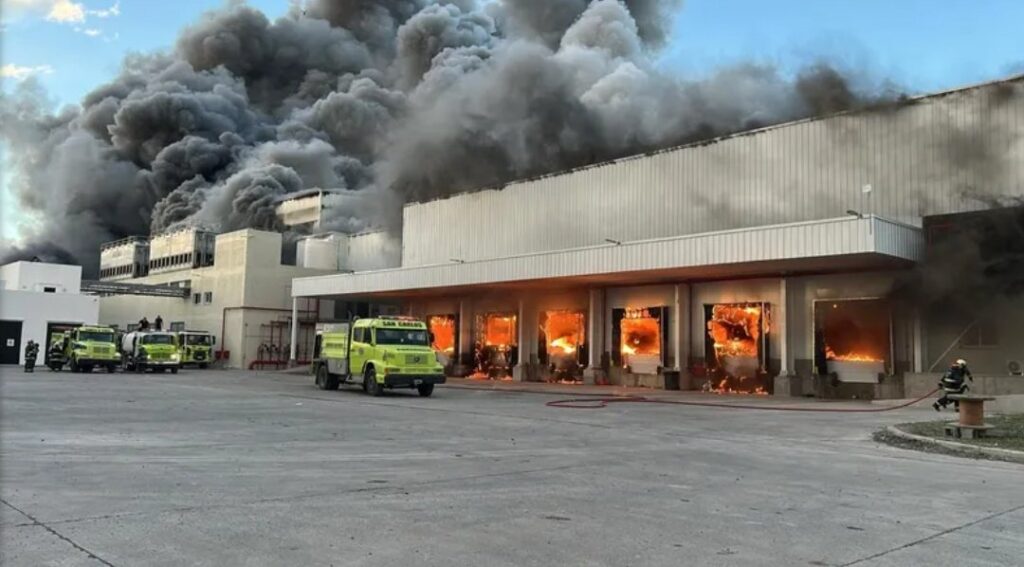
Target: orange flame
(850, 356)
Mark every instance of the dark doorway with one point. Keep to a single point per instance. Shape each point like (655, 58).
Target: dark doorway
(10, 342)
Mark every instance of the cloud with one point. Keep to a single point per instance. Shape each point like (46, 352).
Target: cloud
(91, 32)
(66, 12)
(112, 11)
(20, 73)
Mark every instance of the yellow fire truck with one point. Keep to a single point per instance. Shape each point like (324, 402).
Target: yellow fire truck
(378, 353)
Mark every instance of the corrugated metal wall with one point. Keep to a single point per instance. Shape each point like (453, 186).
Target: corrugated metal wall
(927, 157)
(372, 251)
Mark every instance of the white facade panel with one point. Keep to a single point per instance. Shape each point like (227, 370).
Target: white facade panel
(40, 276)
(36, 310)
(928, 156)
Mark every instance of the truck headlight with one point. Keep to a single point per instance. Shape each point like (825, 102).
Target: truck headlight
(175, 357)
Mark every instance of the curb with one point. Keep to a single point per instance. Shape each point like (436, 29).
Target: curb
(1017, 456)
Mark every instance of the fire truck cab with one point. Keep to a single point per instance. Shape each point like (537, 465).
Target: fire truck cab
(378, 353)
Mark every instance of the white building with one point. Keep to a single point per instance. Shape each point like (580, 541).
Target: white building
(762, 260)
(37, 300)
(234, 286)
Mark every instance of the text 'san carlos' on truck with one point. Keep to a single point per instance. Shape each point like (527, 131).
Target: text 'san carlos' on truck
(378, 353)
(84, 348)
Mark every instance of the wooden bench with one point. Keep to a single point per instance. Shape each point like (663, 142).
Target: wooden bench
(972, 417)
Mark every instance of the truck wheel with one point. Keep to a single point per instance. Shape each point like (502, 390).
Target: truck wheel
(370, 380)
(74, 366)
(425, 390)
(325, 380)
(111, 368)
(174, 371)
(160, 370)
(203, 365)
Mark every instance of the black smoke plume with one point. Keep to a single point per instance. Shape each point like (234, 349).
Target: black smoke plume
(380, 101)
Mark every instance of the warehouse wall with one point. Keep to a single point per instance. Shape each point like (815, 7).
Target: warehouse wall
(924, 157)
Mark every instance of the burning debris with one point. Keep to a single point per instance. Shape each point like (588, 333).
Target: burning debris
(563, 340)
(443, 331)
(376, 101)
(496, 349)
(737, 341)
(641, 343)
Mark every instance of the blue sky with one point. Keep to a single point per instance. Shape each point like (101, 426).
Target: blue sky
(74, 45)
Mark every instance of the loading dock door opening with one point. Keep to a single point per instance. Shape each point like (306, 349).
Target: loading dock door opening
(562, 344)
(497, 345)
(736, 348)
(852, 339)
(444, 332)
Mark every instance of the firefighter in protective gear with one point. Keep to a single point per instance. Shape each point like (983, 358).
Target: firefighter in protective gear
(954, 381)
(31, 352)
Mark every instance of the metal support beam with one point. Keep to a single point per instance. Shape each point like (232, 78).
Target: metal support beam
(781, 324)
(121, 288)
(295, 332)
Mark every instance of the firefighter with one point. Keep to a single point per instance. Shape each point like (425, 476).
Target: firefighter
(158, 323)
(143, 324)
(954, 381)
(31, 353)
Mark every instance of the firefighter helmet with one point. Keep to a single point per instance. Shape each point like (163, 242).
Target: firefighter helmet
(961, 362)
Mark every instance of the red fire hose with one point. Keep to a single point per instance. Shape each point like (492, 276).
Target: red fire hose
(598, 403)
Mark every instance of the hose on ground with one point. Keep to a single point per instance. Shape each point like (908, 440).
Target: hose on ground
(599, 403)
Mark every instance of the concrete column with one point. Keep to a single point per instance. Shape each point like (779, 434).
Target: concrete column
(595, 338)
(918, 344)
(465, 333)
(294, 332)
(521, 370)
(782, 329)
(681, 326)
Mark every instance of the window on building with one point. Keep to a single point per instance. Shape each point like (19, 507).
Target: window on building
(177, 326)
(984, 333)
(208, 297)
(49, 289)
(196, 298)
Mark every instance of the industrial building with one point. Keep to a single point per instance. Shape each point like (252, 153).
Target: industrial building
(233, 285)
(761, 262)
(38, 300)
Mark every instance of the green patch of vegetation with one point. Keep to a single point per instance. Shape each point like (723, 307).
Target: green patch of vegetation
(1007, 432)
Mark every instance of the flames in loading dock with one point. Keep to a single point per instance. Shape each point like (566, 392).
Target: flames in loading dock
(640, 342)
(736, 334)
(496, 345)
(443, 328)
(563, 336)
(564, 332)
(853, 339)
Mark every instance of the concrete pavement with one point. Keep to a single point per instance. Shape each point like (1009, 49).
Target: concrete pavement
(235, 468)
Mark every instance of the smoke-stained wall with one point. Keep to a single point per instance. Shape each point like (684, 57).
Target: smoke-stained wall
(942, 154)
(377, 101)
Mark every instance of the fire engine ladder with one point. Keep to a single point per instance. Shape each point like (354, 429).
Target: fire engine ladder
(120, 288)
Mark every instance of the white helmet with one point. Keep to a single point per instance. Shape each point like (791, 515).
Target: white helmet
(961, 362)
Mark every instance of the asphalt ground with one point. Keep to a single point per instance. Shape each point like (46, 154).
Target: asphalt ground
(226, 468)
